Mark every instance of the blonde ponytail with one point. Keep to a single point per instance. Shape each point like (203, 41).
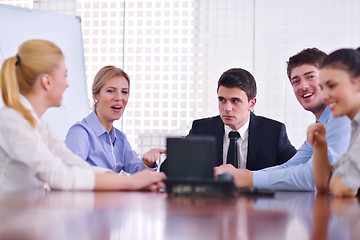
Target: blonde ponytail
(10, 89)
(20, 73)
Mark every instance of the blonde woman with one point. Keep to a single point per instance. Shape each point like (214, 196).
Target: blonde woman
(96, 140)
(30, 155)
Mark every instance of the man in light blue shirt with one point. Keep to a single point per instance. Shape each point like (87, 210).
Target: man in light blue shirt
(296, 174)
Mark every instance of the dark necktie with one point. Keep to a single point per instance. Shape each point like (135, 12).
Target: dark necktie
(232, 156)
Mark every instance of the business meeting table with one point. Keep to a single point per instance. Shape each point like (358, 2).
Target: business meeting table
(44, 214)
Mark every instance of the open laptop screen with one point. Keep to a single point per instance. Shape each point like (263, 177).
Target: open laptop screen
(191, 157)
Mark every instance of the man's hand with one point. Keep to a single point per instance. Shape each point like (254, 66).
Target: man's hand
(242, 177)
(150, 157)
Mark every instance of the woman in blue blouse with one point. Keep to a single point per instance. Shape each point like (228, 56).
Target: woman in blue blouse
(95, 139)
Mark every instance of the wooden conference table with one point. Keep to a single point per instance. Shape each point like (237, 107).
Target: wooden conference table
(145, 215)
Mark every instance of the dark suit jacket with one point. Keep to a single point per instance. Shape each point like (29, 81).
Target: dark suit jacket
(268, 141)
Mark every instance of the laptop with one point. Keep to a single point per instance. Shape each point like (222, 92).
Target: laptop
(191, 157)
(190, 167)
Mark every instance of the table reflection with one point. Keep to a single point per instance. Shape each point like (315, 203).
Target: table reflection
(145, 215)
(343, 218)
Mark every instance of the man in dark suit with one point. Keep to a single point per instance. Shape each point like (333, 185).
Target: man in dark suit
(260, 142)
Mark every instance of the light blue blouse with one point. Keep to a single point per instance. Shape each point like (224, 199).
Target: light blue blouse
(89, 140)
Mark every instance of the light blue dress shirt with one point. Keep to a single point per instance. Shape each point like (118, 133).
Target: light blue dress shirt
(296, 174)
(89, 140)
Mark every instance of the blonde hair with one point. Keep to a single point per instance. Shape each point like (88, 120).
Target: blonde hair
(104, 75)
(20, 73)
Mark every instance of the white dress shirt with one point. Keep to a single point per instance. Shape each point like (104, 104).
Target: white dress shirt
(348, 165)
(31, 157)
(242, 144)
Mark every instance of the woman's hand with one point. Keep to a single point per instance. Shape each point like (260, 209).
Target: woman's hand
(316, 134)
(147, 180)
(150, 157)
(338, 189)
(322, 169)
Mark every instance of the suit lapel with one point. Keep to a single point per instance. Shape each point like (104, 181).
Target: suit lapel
(254, 135)
(219, 133)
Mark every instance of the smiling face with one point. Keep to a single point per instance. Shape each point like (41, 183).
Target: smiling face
(111, 101)
(234, 106)
(305, 82)
(340, 92)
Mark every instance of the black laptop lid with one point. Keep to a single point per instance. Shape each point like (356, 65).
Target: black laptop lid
(191, 157)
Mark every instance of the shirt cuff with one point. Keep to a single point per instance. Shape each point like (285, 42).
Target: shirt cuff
(85, 179)
(100, 169)
(351, 182)
(348, 173)
(260, 179)
(155, 168)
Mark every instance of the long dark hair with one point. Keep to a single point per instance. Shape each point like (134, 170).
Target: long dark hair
(347, 59)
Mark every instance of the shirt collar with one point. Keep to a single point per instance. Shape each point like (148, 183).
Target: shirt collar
(242, 130)
(356, 120)
(97, 127)
(113, 134)
(324, 117)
